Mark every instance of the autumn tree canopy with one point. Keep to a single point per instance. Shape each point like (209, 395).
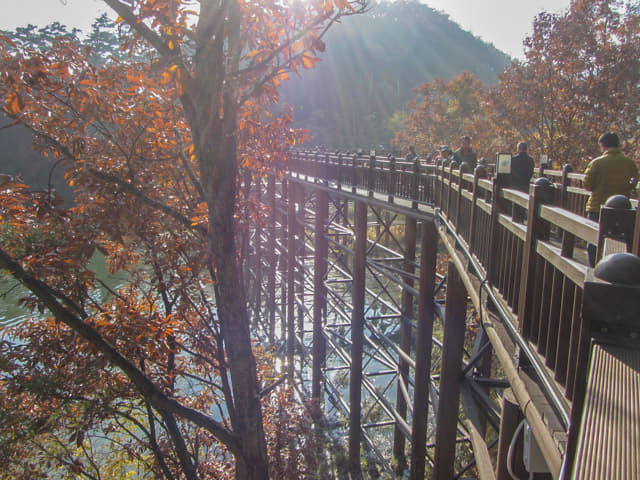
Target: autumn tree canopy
(160, 377)
(442, 111)
(580, 78)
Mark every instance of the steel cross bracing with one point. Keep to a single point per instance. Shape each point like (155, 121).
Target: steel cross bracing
(280, 271)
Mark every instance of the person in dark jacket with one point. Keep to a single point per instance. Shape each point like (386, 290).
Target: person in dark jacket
(612, 173)
(465, 153)
(411, 155)
(521, 168)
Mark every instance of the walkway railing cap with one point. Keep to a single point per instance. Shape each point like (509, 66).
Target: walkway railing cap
(618, 201)
(620, 268)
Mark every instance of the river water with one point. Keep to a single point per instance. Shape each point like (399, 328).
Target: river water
(11, 292)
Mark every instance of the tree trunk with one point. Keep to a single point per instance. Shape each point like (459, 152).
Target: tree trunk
(232, 311)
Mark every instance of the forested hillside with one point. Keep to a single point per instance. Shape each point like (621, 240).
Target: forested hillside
(371, 65)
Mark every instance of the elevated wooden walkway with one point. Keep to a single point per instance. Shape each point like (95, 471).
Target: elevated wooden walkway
(522, 338)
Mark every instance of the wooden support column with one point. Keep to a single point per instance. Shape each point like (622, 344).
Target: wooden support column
(424, 334)
(357, 338)
(272, 256)
(320, 263)
(291, 275)
(299, 276)
(511, 417)
(284, 259)
(405, 341)
(449, 399)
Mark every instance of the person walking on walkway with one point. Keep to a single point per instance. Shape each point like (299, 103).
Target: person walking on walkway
(465, 153)
(521, 168)
(521, 172)
(411, 155)
(612, 173)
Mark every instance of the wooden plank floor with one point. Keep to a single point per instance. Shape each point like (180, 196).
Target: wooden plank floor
(609, 441)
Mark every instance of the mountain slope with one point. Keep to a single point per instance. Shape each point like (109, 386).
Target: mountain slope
(371, 66)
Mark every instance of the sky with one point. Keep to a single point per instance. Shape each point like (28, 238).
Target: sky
(505, 23)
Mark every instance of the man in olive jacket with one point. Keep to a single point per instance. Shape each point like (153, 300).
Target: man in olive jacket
(612, 173)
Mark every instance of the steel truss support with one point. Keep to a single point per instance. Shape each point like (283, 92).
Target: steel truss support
(347, 302)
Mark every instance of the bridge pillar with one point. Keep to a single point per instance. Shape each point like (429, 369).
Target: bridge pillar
(281, 213)
(424, 334)
(509, 420)
(292, 258)
(405, 341)
(450, 375)
(320, 265)
(357, 338)
(272, 256)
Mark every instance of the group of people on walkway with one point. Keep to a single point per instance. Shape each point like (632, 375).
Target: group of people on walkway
(612, 173)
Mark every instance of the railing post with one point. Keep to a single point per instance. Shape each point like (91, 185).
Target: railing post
(327, 169)
(541, 168)
(496, 210)
(440, 178)
(393, 178)
(564, 194)
(357, 338)
(463, 169)
(320, 264)
(339, 173)
(318, 167)
(616, 222)
(424, 334)
(354, 173)
(536, 229)
(372, 174)
(635, 248)
(450, 375)
(405, 341)
(449, 190)
(478, 173)
(415, 184)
